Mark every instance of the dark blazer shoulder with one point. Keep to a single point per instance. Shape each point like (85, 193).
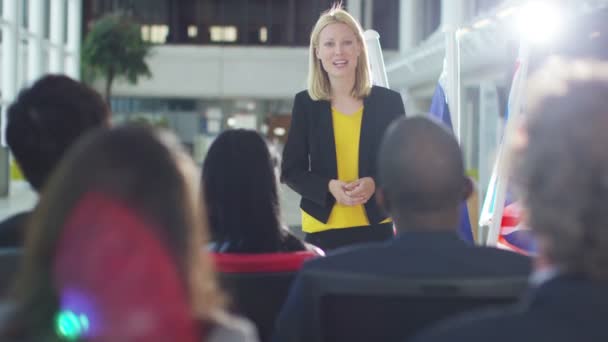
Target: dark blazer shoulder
(382, 91)
(503, 256)
(347, 258)
(303, 96)
(386, 100)
(303, 102)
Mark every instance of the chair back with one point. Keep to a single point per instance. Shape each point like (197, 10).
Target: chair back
(349, 307)
(258, 284)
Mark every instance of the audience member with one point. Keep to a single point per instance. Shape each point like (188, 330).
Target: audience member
(240, 187)
(114, 249)
(561, 168)
(421, 184)
(44, 121)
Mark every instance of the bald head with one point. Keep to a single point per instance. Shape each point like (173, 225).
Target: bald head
(420, 169)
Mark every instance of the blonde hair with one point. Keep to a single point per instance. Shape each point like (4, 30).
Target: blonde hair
(318, 80)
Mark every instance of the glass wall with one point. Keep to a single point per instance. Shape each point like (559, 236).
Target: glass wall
(37, 37)
(236, 22)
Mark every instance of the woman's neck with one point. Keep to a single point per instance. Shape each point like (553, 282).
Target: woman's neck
(342, 87)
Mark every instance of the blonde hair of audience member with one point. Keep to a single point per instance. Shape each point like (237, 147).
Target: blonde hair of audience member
(561, 166)
(146, 169)
(319, 82)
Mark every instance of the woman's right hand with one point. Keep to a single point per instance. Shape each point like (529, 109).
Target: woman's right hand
(338, 189)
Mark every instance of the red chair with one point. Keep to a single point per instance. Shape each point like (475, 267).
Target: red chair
(258, 284)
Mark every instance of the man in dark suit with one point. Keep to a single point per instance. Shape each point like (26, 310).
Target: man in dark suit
(422, 183)
(561, 166)
(43, 122)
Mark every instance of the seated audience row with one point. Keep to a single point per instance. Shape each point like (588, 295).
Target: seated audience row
(120, 250)
(44, 124)
(110, 253)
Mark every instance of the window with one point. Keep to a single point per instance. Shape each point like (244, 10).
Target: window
(192, 31)
(385, 20)
(263, 34)
(240, 22)
(156, 34)
(228, 34)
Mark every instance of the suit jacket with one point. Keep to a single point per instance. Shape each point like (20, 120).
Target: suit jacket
(409, 255)
(309, 156)
(564, 309)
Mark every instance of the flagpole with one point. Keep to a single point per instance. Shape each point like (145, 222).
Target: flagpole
(504, 162)
(376, 60)
(452, 74)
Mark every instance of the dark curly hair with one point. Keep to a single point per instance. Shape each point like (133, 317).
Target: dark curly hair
(46, 119)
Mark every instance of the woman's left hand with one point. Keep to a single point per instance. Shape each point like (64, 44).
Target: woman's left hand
(362, 187)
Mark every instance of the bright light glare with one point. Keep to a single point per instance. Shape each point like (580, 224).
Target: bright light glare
(540, 22)
(482, 23)
(506, 12)
(231, 122)
(279, 131)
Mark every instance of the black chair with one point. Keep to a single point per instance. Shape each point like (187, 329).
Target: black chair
(258, 284)
(369, 308)
(10, 259)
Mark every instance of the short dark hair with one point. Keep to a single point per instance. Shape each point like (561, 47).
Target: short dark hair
(561, 166)
(240, 187)
(46, 119)
(420, 167)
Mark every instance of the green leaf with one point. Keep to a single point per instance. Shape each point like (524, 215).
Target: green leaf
(114, 46)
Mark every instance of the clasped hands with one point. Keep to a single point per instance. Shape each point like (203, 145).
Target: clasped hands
(352, 193)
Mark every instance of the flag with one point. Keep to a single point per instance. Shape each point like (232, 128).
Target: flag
(513, 235)
(441, 110)
(510, 233)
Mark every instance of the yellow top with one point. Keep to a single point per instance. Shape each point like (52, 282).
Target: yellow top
(347, 131)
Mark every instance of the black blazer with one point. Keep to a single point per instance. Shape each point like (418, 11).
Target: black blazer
(309, 156)
(564, 309)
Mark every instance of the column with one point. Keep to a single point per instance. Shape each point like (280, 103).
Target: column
(408, 24)
(74, 38)
(291, 20)
(57, 33)
(368, 15)
(10, 32)
(10, 13)
(34, 51)
(453, 13)
(354, 8)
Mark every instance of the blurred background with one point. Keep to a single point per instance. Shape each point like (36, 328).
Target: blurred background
(201, 66)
